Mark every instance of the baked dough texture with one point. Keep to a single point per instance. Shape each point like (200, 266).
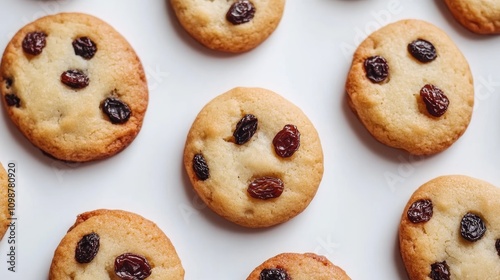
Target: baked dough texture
(233, 167)
(67, 123)
(393, 111)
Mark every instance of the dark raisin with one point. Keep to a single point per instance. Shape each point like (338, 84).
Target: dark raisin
(130, 266)
(422, 50)
(8, 83)
(472, 227)
(116, 110)
(440, 271)
(87, 248)
(376, 68)
(273, 274)
(287, 141)
(245, 129)
(34, 42)
(200, 167)
(420, 211)
(12, 100)
(266, 188)
(435, 100)
(84, 47)
(240, 12)
(497, 246)
(75, 79)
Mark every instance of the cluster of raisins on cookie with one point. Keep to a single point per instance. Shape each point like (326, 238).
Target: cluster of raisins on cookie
(126, 266)
(472, 229)
(435, 100)
(286, 142)
(33, 45)
(277, 273)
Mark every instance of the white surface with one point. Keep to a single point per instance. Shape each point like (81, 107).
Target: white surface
(354, 217)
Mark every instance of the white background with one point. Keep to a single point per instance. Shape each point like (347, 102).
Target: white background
(353, 220)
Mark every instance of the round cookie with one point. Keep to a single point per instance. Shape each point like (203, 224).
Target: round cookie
(74, 87)
(232, 162)
(231, 26)
(411, 87)
(479, 16)
(297, 266)
(450, 229)
(4, 202)
(108, 244)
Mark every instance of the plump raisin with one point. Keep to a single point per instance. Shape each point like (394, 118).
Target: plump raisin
(87, 248)
(422, 50)
(472, 227)
(34, 42)
(240, 12)
(435, 100)
(266, 188)
(376, 68)
(273, 274)
(245, 129)
(130, 266)
(84, 47)
(440, 271)
(75, 79)
(117, 111)
(497, 246)
(200, 167)
(287, 141)
(12, 100)
(8, 83)
(420, 211)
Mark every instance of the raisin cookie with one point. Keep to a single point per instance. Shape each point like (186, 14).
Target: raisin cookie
(74, 87)
(297, 266)
(411, 87)
(253, 157)
(4, 202)
(115, 244)
(450, 229)
(479, 16)
(230, 26)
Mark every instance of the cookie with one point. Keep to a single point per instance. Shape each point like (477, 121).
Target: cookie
(115, 244)
(450, 229)
(4, 201)
(74, 87)
(298, 267)
(254, 157)
(231, 26)
(479, 16)
(411, 87)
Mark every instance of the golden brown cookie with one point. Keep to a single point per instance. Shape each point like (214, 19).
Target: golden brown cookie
(4, 202)
(479, 16)
(411, 87)
(74, 87)
(297, 266)
(450, 229)
(254, 157)
(231, 26)
(115, 244)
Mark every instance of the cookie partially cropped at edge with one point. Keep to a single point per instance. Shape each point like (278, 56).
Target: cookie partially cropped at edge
(115, 244)
(231, 26)
(298, 266)
(4, 201)
(479, 16)
(254, 157)
(411, 87)
(450, 229)
(74, 87)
